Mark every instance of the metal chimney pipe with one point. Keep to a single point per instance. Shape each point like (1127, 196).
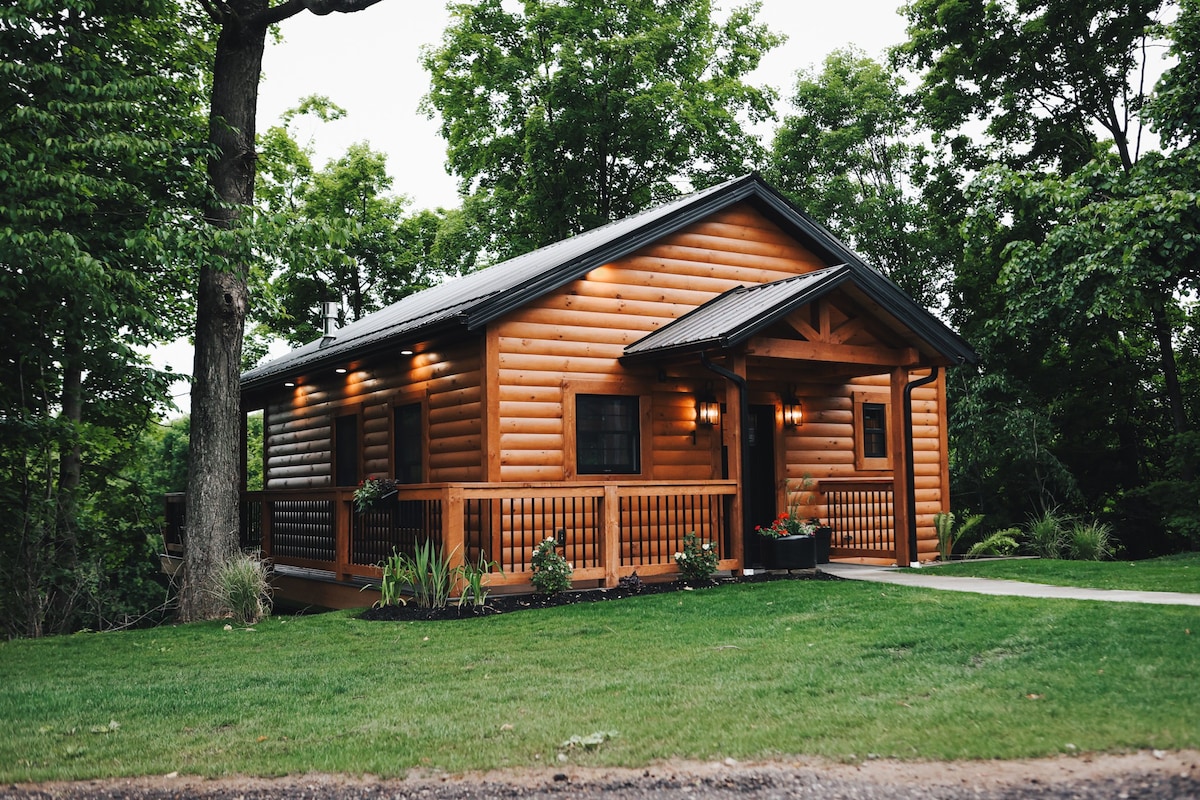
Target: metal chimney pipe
(329, 313)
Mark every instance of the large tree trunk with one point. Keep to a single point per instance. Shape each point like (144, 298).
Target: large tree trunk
(213, 467)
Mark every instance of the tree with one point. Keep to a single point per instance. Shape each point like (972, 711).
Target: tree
(221, 297)
(337, 235)
(1079, 246)
(1042, 75)
(849, 157)
(98, 174)
(564, 115)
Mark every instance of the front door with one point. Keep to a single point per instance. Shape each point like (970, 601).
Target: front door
(760, 482)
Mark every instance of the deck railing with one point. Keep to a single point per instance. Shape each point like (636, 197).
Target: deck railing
(862, 516)
(606, 530)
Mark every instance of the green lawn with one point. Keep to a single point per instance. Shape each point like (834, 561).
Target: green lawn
(836, 669)
(1179, 573)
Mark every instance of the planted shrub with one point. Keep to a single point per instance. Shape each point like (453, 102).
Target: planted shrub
(1044, 536)
(396, 572)
(243, 587)
(943, 523)
(1089, 541)
(551, 572)
(997, 543)
(698, 560)
(471, 579)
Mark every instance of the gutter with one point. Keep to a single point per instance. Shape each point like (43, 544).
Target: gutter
(909, 460)
(744, 455)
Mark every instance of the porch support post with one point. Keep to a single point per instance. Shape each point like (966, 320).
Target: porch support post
(899, 449)
(343, 513)
(734, 437)
(611, 533)
(453, 527)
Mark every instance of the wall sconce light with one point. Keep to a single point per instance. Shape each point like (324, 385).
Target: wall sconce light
(290, 384)
(793, 413)
(708, 411)
(407, 351)
(340, 370)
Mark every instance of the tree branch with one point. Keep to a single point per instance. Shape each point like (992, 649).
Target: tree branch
(291, 8)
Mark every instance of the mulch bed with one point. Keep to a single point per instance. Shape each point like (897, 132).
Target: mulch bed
(630, 587)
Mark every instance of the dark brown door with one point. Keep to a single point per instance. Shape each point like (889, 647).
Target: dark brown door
(760, 482)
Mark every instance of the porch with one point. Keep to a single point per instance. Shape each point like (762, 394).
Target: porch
(606, 530)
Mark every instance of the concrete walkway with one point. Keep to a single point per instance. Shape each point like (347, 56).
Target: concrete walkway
(930, 579)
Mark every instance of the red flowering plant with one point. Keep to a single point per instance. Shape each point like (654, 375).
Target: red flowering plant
(372, 490)
(788, 525)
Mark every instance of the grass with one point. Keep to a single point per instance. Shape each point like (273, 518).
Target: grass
(1178, 573)
(835, 669)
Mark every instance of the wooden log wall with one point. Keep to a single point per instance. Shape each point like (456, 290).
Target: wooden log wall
(823, 447)
(298, 438)
(574, 337)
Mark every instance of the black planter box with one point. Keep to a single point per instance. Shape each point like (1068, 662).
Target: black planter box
(824, 538)
(792, 552)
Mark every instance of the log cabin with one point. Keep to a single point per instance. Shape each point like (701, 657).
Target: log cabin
(699, 366)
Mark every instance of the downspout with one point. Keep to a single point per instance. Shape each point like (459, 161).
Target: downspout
(909, 461)
(743, 439)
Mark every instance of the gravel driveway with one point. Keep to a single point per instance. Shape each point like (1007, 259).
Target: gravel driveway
(1152, 776)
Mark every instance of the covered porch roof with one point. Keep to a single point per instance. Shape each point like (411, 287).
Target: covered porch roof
(855, 316)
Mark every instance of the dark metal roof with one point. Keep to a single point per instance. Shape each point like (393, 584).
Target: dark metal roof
(730, 319)
(468, 303)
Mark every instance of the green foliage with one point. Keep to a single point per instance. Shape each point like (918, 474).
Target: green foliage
(996, 543)
(336, 234)
(431, 580)
(429, 576)
(1089, 541)
(243, 588)
(395, 578)
(370, 491)
(698, 559)
(551, 572)
(100, 174)
(470, 577)
(560, 117)
(943, 523)
(989, 62)
(850, 158)
(1045, 534)
(1175, 108)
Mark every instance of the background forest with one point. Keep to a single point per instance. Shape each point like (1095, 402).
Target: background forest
(1028, 171)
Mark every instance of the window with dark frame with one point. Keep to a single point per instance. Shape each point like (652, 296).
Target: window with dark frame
(607, 434)
(874, 428)
(345, 455)
(408, 443)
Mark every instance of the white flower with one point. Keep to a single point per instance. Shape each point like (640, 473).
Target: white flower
(680, 556)
(707, 546)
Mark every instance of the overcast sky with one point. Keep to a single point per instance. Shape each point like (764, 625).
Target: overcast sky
(368, 63)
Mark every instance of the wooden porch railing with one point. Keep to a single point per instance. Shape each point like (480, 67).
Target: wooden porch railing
(606, 530)
(862, 516)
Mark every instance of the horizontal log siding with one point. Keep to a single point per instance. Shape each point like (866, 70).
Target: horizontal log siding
(298, 438)
(578, 334)
(823, 447)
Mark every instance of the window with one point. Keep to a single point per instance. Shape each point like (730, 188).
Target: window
(345, 450)
(607, 434)
(408, 443)
(874, 429)
(872, 439)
